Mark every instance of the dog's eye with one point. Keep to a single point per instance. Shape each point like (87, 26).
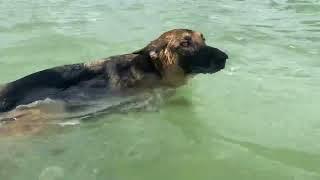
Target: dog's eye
(185, 43)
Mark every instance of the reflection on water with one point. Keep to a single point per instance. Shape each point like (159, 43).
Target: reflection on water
(257, 119)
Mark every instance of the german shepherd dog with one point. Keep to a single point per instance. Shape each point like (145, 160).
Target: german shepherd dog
(166, 61)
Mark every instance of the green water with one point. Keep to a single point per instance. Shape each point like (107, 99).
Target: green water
(256, 120)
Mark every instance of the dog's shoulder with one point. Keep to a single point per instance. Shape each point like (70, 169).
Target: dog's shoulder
(129, 70)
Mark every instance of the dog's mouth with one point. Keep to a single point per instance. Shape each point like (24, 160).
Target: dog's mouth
(213, 67)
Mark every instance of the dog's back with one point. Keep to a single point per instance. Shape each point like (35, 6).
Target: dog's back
(115, 72)
(44, 84)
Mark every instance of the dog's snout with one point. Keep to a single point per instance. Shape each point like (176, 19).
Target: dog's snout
(222, 58)
(220, 54)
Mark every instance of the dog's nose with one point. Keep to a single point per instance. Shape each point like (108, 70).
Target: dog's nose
(221, 55)
(224, 55)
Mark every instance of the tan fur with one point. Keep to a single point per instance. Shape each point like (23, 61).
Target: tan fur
(165, 47)
(172, 73)
(95, 65)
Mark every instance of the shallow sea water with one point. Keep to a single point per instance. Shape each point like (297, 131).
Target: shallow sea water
(257, 119)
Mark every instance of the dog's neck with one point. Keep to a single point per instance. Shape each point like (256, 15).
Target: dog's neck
(144, 63)
(168, 64)
(131, 71)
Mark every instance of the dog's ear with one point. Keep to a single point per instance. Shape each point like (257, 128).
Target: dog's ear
(152, 49)
(146, 51)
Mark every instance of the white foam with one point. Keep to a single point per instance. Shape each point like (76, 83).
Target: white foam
(69, 123)
(52, 173)
(37, 103)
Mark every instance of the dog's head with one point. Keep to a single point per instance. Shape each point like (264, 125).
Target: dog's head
(185, 52)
